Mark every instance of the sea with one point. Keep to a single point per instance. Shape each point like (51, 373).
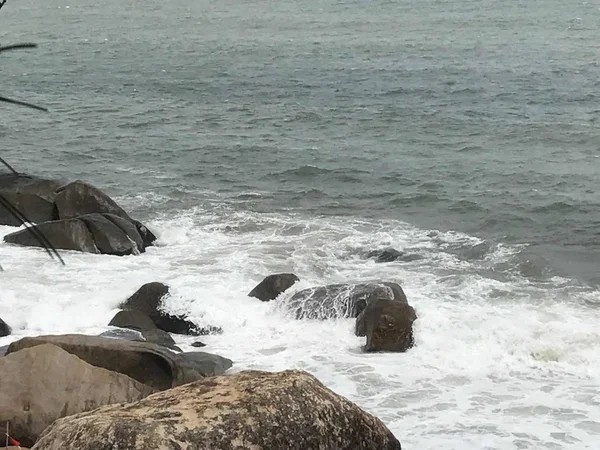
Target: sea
(258, 137)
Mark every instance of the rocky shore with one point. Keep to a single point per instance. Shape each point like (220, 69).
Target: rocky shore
(132, 387)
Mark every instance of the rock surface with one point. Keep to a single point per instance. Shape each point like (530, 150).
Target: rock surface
(386, 255)
(31, 195)
(145, 362)
(273, 285)
(41, 384)
(71, 234)
(111, 239)
(207, 363)
(388, 326)
(341, 300)
(79, 198)
(4, 328)
(148, 300)
(288, 410)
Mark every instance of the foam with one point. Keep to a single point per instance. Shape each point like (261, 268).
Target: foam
(500, 361)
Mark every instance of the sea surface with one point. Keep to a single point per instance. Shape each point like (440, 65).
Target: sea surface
(260, 137)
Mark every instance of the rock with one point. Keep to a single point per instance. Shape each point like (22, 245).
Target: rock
(148, 237)
(4, 328)
(386, 255)
(132, 319)
(78, 199)
(70, 234)
(207, 363)
(198, 344)
(288, 410)
(44, 383)
(145, 362)
(388, 325)
(123, 333)
(160, 337)
(110, 239)
(3, 350)
(148, 299)
(31, 195)
(273, 285)
(341, 300)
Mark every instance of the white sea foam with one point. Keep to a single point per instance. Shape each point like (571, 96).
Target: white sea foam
(499, 362)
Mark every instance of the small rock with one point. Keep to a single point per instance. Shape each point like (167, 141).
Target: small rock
(198, 344)
(4, 328)
(386, 255)
(273, 285)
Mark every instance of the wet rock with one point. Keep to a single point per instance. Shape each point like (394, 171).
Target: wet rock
(273, 285)
(70, 234)
(132, 319)
(3, 350)
(123, 333)
(43, 383)
(387, 324)
(341, 300)
(160, 337)
(198, 344)
(148, 299)
(78, 199)
(288, 410)
(207, 363)
(108, 237)
(148, 363)
(4, 328)
(31, 195)
(386, 255)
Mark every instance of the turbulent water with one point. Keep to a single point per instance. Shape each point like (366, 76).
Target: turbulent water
(264, 137)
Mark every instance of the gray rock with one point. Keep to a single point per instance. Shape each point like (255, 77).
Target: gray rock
(109, 238)
(207, 363)
(132, 319)
(341, 300)
(273, 285)
(148, 363)
(78, 198)
(387, 324)
(386, 255)
(43, 383)
(71, 234)
(288, 410)
(31, 195)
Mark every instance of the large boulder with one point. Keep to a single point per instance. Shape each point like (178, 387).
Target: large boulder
(387, 324)
(31, 195)
(148, 300)
(288, 410)
(145, 362)
(71, 234)
(4, 328)
(78, 199)
(44, 383)
(91, 233)
(273, 285)
(341, 300)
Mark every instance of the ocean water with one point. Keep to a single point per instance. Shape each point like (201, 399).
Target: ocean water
(259, 137)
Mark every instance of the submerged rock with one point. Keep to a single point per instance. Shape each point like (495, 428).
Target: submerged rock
(273, 285)
(341, 300)
(288, 410)
(4, 328)
(387, 324)
(386, 255)
(44, 383)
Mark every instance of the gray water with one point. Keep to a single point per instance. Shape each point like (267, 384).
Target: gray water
(299, 133)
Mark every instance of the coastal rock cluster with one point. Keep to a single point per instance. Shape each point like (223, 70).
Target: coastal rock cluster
(132, 387)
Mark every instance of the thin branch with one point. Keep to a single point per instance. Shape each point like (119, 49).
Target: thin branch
(8, 166)
(19, 102)
(17, 46)
(2, 3)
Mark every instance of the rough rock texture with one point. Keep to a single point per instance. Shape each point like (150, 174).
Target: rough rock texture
(148, 300)
(70, 234)
(273, 285)
(145, 362)
(341, 300)
(41, 384)
(78, 198)
(4, 328)
(388, 325)
(288, 410)
(33, 196)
